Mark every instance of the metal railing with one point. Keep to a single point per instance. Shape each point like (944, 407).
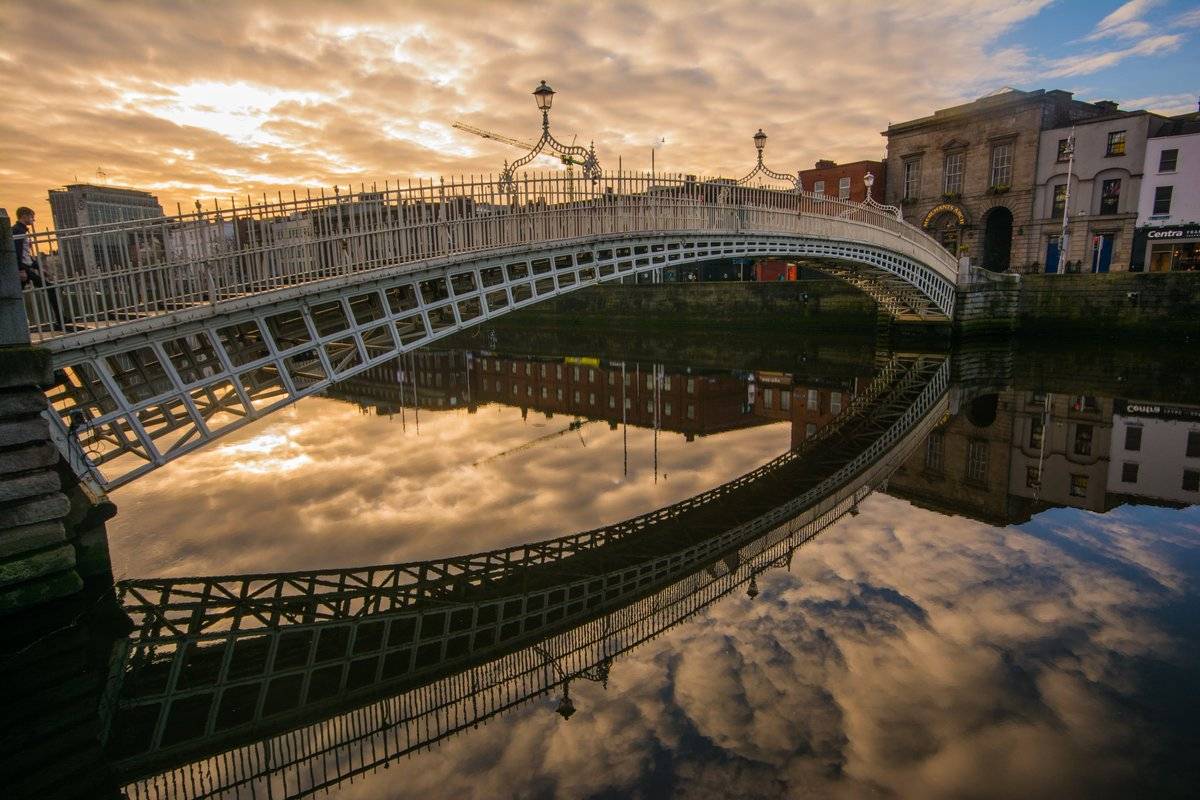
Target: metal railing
(107, 275)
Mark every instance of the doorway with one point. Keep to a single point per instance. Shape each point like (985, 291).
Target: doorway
(1052, 246)
(1102, 247)
(997, 239)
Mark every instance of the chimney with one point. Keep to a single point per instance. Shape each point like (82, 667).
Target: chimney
(825, 163)
(1107, 106)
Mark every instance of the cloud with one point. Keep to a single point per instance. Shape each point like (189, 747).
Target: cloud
(1085, 64)
(275, 96)
(1125, 22)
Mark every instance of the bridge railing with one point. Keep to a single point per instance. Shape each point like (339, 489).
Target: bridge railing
(106, 275)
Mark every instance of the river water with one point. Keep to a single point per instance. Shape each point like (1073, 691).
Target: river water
(1005, 607)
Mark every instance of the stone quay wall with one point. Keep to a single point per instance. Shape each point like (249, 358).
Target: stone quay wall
(1141, 304)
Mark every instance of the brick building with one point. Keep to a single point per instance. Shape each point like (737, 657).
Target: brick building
(968, 174)
(845, 181)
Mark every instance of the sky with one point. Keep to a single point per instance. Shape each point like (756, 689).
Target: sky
(203, 100)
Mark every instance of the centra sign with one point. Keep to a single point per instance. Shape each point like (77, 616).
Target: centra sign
(944, 208)
(1177, 232)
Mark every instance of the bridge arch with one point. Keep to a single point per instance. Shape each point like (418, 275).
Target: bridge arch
(215, 336)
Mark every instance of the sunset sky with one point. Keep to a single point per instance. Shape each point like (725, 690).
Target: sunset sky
(196, 100)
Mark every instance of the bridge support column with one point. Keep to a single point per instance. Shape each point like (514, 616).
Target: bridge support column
(989, 304)
(37, 562)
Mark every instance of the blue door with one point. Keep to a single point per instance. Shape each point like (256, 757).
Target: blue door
(1102, 248)
(1052, 255)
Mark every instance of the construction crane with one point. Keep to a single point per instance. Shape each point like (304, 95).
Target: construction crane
(568, 160)
(574, 426)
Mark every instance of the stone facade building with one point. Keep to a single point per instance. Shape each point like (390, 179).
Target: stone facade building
(845, 181)
(968, 174)
(1105, 182)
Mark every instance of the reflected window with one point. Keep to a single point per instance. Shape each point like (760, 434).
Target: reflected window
(591, 376)
(785, 400)
(835, 402)
(814, 400)
(1193, 444)
(768, 398)
(1133, 438)
(691, 385)
(575, 396)
(612, 401)
(977, 461)
(691, 411)
(1033, 477)
(667, 409)
(1191, 480)
(1079, 485)
(667, 383)
(1036, 430)
(1083, 440)
(591, 398)
(934, 449)
(1129, 473)
(809, 430)
(558, 371)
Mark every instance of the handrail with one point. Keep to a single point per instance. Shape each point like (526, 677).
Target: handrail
(107, 275)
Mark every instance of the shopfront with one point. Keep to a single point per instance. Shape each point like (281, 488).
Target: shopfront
(946, 222)
(1172, 248)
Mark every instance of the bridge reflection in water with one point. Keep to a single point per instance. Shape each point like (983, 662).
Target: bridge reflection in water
(298, 681)
(281, 685)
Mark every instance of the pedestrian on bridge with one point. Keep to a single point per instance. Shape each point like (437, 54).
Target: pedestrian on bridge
(28, 268)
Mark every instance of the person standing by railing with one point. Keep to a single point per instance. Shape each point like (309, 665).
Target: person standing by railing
(28, 268)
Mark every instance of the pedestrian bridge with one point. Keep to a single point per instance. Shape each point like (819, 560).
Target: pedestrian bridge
(289, 684)
(167, 333)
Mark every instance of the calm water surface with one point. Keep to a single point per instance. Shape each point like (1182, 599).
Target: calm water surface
(1012, 613)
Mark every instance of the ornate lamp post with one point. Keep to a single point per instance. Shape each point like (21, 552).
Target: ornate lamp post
(760, 143)
(570, 154)
(870, 202)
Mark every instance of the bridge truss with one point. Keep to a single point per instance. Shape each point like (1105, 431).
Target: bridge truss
(125, 405)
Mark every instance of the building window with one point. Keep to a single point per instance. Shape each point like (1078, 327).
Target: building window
(810, 430)
(1191, 480)
(1079, 485)
(1133, 438)
(1129, 473)
(666, 383)
(785, 400)
(1193, 444)
(1168, 160)
(934, 448)
(844, 188)
(835, 402)
(691, 411)
(1060, 201)
(813, 401)
(1033, 476)
(1063, 146)
(977, 461)
(1116, 144)
(952, 174)
(819, 187)
(1110, 196)
(768, 398)
(912, 178)
(1162, 199)
(1083, 440)
(1036, 431)
(1002, 160)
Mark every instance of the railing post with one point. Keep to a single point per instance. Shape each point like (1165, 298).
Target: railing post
(14, 324)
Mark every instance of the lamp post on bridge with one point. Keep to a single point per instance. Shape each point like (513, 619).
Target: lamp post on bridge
(760, 144)
(543, 95)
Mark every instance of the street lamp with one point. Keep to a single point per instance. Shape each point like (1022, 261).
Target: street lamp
(869, 181)
(752, 589)
(870, 202)
(571, 155)
(760, 143)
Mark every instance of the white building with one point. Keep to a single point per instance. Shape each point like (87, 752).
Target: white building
(1169, 206)
(1155, 451)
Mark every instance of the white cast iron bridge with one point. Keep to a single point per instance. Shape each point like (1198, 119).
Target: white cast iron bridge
(167, 333)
